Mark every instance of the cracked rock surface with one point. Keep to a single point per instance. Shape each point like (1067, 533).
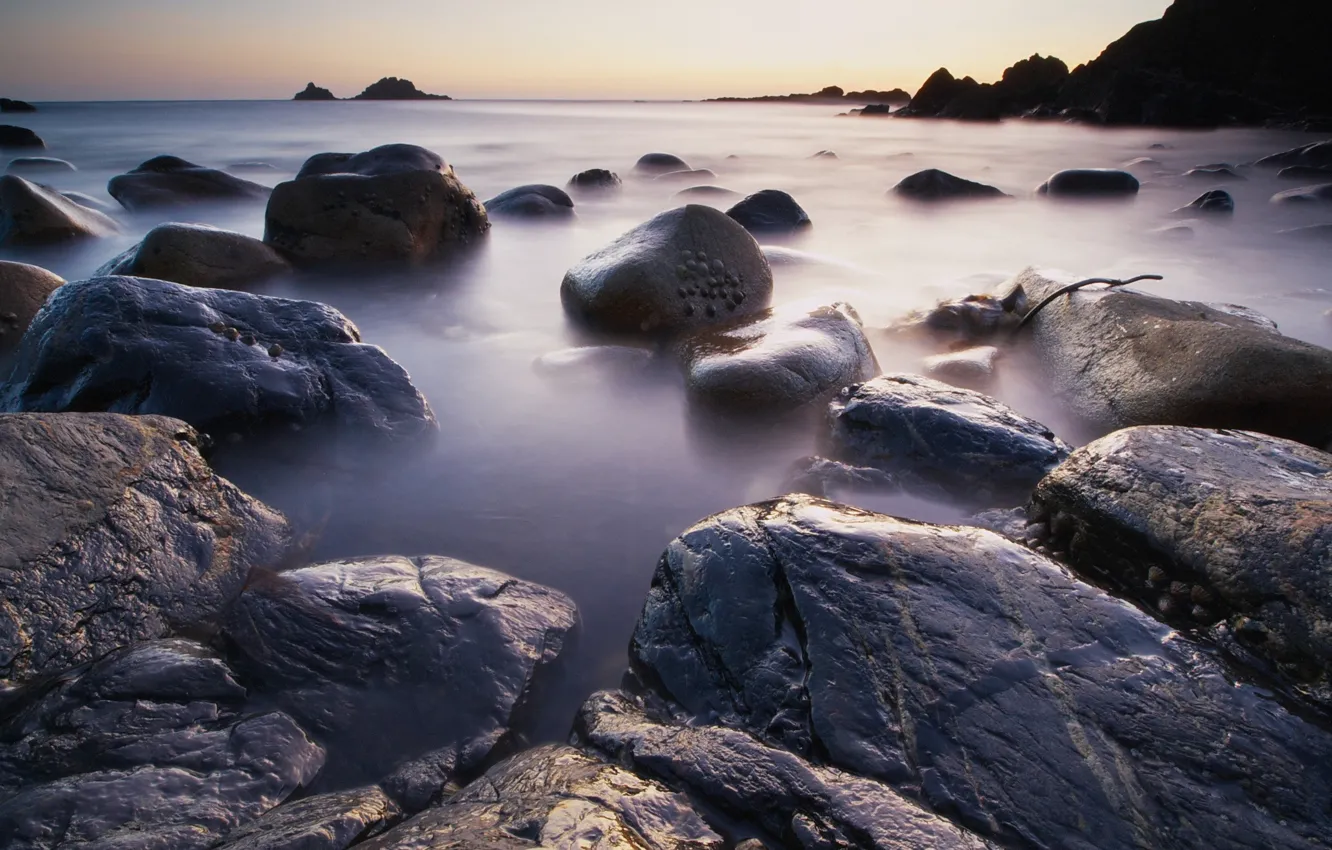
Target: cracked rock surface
(331, 821)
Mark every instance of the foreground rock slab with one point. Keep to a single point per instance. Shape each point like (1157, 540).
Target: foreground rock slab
(332, 821)
(114, 530)
(198, 255)
(23, 291)
(976, 676)
(169, 181)
(34, 215)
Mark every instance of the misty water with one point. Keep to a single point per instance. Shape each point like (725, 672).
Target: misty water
(581, 484)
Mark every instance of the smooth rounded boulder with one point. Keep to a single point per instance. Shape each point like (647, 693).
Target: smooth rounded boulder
(198, 255)
(38, 164)
(35, 215)
(534, 201)
(659, 163)
(1217, 201)
(706, 194)
(677, 272)
(935, 185)
(594, 181)
(169, 181)
(1316, 154)
(692, 175)
(770, 212)
(1090, 183)
(1310, 195)
(23, 291)
(392, 204)
(14, 138)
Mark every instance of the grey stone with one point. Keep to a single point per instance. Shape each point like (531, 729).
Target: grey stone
(1317, 154)
(34, 215)
(972, 368)
(831, 479)
(331, 821)
(595, 362)
(23, 290)
(659, 163)
(1214, 201)
(594, 181)
(532, 201)
(169, 181)
(688, 175)
(935, 185)
(38, 163)
(198, 255)
(770, 212)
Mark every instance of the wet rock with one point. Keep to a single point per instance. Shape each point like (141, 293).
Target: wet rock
(313, 92)
(147, 747)
(115, 530)
(972, 368)
(967, 320)
(1306, 172)
(12, 137)
(394, 657)
(1243, 520)
(1215, 173)
(169, 181)
(594, 362)
(660, 277)
(693, 175)
(198, 255)
(1315, 155)
(556, 796)
(1211, 202)
(935, 185)
(954, 666)
(830, 479)
(1090, 183)
(324, 822)
(1321, 194)
(532, 201)
(706, 194)
(1121, 357)
(91, 203)
(659, 163)
(38, 163)
(23, 290)
(10, 105)
(34, 215)
(770, 212)
(594, 181)
(1311, 231)
(136, 345)
(395, 203)
(778, 362)
(935, 438)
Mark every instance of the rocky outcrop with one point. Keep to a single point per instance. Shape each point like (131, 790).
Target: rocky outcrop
(331, 821)
(23, 290)
(770, 212)
(935, 185)
(313, 92)
(660, 163)
(594, 181)
(147, 747)
(1026, 85)
(1314, 155)
(693, 175)
(113, 530)
(226, 362)
(534, 201)
(1090, 183)
(198, 255)
(678, 271)
(14, 138)
(394, 204)
(34, 215)
(169, 181)
(11, 105)
(38, 163)
(826, 94)
(392, 88)
(1306, 173)
(1217, 201)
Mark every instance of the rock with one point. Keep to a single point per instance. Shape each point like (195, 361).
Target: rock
(169, 181)
(595, 362)
(824, 155)
(324, 822)
(12, 137)
(660, 163)
(770, 212)
(972, 368)
(38, 163)
(968, 320)
(694, 175)
(254, 166)
(777, 362)
(1315, 155)
(136, 345)
(938, 91)
(198, 255)
(395, 203)
(1030, 82)
(394, 657)
(1311, 231)
(1181, 232)
(34, 215)
(1214, 201)
(23, 290)
(1306, 172)
(1321, 194)
(314, 92)
(392, 88)
(939, 439)
(935, 185)
(555, 796)
(705, 194)
(1143, 162)
(532, 201)
(9, 105)
(1208, 527)
(92, 203)
(594, 181)
(146, 747)
(114, 530)
(830, 479)
(1215, 173)
(1120, 358)
(659, 277)
(954, 666)
(1090, 183)
(877, 109)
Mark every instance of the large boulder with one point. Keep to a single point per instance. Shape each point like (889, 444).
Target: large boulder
(394, 203)
(12, 137)
(976, 676)
(779, 361)
(147, 747)
(1090, 183)
(169, 181)
(594, 181)
(555, 796)
(198, 255)
(670, 274)
(659, 163)
(226, 362)
(770, 212)
(1320, 194)
(394, 657)
(112, 530)
(941, 440)
(23, 291)
(935, 185)
(1120, 357)
(1208, 527)
(1314, 155)
(533, 201)
(333, 821)
(35, 215)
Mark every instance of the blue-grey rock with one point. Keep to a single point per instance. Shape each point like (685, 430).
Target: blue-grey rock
(332, 821)
(38, 163)
(169, 181)
(1312, 195)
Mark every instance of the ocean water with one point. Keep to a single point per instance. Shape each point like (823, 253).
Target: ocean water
(580, 485)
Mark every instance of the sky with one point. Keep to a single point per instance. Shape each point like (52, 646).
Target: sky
(681, 49)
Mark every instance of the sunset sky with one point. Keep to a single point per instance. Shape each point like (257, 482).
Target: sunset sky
(181, 49)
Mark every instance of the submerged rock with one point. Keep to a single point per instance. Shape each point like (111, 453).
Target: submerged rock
(1306, 172)
(12, 137)
(23, 290)
(830, 479)
(675, 272)
(225, 362)
(659, 163)
(954, 666)
(1316, 155)
(532, 201)
(968, 320)
(85, 200)
(595, 362)
(1215, 173)
(770, 212)
(1215, 201)
(38, 163)
(1321, 194)
(1090, 183)
(34, 215)
(169, 181)
(935, 185)
(114, 530)
(198, 255)
(972, 368)
(324, 822)
(594, 181)
(147, 747)
(706, 194)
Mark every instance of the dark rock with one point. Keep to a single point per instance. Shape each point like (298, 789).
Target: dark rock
(1315, 155)
(770, 212)
(827, 155)
(324, 822)
(972, 368)
(38, 163)
(1143, 162)
(657, 278)
(395, 203)
(935, 185)
(1031, 82)
(777, 362)
(1321, 194)
(830, 479)
(939, 439)
(594, 181)
(92, 203)
(19, 137)
(555, 796)
(660, 163)
(1215, 173)
(705, 194)
(23, 290)
(198, 255)
(532, 201)
(1120, 358)
(314, 92)
(114, 530)
(392, 88)
(395, 657)
(254, 166)
(34, 215)
(938, 91)
(957, 668)
(136, 345)
(147, 747)
(877, 109)
(1090, 183)
(1215, 201)
(169, 181)
(967, 321)
(695, 175)
(1306, 172)
(9, 105)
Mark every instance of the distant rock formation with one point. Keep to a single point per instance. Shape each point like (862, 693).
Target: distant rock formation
(314, 92)
(7, 105)
(1025, 86)
(392, 88)
(823, 95)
